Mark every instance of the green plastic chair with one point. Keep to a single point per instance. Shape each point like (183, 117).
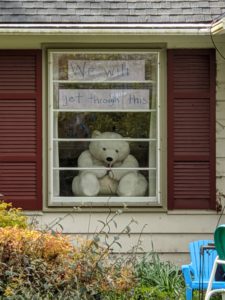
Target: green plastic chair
(219, 240)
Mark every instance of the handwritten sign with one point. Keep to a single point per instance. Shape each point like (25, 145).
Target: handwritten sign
(100, 99)
(106, 70)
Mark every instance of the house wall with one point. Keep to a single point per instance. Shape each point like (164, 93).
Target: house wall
(167, 232)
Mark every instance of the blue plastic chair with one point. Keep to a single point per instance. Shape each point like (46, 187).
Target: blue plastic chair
(197, 273)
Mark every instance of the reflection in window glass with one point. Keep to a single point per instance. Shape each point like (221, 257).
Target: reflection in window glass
(82, 125)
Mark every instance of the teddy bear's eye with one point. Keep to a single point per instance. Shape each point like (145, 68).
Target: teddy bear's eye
(117, 151)
(103, 149)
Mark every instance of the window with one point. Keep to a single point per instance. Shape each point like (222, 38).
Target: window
(103, 128)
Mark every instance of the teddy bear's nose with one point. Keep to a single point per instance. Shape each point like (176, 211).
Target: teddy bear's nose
(109, 159)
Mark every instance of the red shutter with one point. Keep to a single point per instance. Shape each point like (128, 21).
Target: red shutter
(20, 128)
(191, 129)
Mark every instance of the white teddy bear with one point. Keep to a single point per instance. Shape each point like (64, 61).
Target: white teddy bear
(106, 155)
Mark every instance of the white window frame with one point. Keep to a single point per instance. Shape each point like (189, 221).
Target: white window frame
(100, 201)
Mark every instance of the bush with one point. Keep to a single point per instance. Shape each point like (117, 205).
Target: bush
(43, 264)
(158, 280)
(10, 216)
(38, 265)
(198, 295)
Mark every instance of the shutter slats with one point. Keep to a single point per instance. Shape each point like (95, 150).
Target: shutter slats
(17, 179)
(191, 181)
(18, 75)
(20, 127)
(191, 72)
(18, 116)
(191, 121)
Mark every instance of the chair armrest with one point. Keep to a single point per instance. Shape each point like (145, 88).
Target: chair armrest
(187, 270)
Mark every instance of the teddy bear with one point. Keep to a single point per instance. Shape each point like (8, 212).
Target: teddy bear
(106, 168)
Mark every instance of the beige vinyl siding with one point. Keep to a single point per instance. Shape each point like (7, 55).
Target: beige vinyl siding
(155, 223)
(167, 233)
(220, 122)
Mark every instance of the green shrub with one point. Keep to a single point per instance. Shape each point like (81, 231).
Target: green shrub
(150, 293)
(10, 216)
(198, 295)
(159, 279)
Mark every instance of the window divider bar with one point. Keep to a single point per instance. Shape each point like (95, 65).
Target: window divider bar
(104, 110)
(102, 82)
(93, 139)
(100, 168)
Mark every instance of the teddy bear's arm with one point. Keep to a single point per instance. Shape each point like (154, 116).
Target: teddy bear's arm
(129, 162)
(86, 160)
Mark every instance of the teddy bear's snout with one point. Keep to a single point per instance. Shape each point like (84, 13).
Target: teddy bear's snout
(109, 159)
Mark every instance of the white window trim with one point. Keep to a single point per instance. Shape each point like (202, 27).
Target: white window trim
(101, 201)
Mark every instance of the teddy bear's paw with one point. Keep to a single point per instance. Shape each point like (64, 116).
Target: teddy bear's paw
(86, 185)
(89, 184)
(101, 173)
(132, 184)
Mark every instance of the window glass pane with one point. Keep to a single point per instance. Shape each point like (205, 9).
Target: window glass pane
(103, 114)
(129, 125)
(67, 166)
(65, 177)
(152, 183)
(105, 66)
(107, 80)
(103, 96)
(69, 152)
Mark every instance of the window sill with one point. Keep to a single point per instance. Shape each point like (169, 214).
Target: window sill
(193, 212)
(103, 201)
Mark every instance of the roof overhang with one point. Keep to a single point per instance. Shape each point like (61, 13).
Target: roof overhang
(218, 27)
(58, 29)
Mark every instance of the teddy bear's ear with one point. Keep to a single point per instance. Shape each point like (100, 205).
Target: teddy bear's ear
(95, 134)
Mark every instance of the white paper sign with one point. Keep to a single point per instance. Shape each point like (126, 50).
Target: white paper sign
(106, 70)
(103, 99)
